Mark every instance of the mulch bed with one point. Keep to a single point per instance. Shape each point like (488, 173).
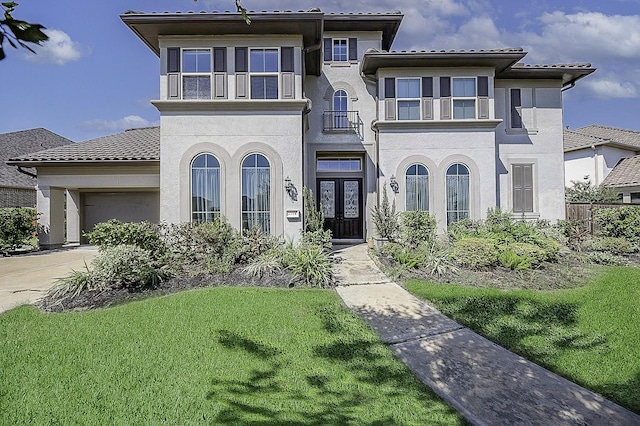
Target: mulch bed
(93, 299)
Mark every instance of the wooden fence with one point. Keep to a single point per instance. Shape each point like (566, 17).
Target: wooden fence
(586, 211)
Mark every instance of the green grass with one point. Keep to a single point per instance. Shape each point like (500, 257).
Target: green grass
(215, 356)
(590, 334)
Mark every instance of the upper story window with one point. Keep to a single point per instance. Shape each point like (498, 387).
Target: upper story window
(516, 108)
(340, 49)
(196, 74)
(408, 98)
(263, 66)
(464, 98)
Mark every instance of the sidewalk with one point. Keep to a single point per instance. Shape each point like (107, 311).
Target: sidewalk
(486, 383)
(26, 278)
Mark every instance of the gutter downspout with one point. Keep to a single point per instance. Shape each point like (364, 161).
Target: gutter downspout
(21, 170)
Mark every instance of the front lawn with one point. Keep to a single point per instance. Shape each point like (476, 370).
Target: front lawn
(214, 356)
(589, 334)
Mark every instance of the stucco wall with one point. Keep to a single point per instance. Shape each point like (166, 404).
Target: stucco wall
(539, 142)
(230, 137)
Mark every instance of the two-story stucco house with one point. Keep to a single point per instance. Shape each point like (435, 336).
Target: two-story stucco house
(249, 114)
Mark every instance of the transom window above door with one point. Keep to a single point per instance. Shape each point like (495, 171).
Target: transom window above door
(339, 164)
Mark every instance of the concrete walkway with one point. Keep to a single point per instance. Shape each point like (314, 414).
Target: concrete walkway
(486, 383)
(26, 278)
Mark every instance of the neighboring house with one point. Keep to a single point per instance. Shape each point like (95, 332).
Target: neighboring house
(602, 155)
(18, 189)
(249, 114)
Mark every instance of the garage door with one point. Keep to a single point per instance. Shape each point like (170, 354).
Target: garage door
(125, 206)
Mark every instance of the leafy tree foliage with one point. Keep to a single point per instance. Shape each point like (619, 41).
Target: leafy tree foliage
(585, 192)
(18, 33)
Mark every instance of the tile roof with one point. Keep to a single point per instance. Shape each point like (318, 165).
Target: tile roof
(588, 136)
(625, 173)
(141, 144)
(19, 143)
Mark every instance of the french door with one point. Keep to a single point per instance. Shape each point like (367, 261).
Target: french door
(341, 201)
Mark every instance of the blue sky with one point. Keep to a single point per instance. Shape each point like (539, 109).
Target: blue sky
(95, 77)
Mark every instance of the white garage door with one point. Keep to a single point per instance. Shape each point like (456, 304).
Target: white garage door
(124, 206)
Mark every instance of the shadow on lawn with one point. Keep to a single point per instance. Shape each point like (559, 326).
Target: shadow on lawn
(535, 330)
(268, 396)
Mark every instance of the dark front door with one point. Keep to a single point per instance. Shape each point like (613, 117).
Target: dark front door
(341, 201)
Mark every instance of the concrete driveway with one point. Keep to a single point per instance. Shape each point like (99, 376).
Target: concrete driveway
(25, 279)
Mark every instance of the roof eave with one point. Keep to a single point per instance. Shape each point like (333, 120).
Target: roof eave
(64, 163)
(388, 23)
(373, 61)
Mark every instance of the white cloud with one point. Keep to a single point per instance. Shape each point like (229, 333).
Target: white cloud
(114, 126)
(610, 88)
(59, 49)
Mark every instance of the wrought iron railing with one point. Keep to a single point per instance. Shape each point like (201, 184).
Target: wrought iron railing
(342, 121)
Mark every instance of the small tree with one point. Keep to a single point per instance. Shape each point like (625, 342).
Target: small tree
(313, 230)
(585, 192)
(385, 218)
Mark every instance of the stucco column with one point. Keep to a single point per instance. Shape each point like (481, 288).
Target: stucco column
(73, 216)
(50, 217)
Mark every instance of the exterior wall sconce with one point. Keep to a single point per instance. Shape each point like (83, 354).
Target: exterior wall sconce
(291, 189)
(393, 183)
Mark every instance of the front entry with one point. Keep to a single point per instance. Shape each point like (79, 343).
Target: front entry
(341, 201)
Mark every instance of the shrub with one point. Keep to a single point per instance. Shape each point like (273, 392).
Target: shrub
(437, 259)
(512, 260)
(603, 258)
(612, 245)
(141, 234)
(530, 252)
(465, 228)
(17, 226)
(576, 232)
(623, 222)
(265, 264)
(476, 253)
(312, 264)
(417, 227)
(124, 265)
(584, 192)
(385, 218)
(313, 231)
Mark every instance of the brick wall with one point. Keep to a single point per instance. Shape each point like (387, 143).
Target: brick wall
(17, 197)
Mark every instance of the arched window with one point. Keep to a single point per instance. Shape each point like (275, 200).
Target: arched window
(417, 188)
(256, 190)
(340, 118)
(205, 188)
(457, 192)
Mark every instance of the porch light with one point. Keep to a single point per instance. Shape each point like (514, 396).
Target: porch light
(393, 183)
(290, 188)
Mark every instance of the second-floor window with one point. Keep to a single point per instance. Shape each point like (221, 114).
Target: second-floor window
(263, 66)
(340, 49)
(464, 98)
(196, 73)
(408, 92)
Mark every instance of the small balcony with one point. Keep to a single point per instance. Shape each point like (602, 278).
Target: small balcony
(342, 122)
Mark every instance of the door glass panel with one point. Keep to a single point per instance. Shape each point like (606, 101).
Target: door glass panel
(328, 198)
(351, 200)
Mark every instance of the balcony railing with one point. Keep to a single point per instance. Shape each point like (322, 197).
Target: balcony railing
(342, 121)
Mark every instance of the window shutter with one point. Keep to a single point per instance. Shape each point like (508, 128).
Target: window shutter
(445, 87)
(220, 59)
(427, 87)
(173, 59)
(328, 50)
(286, 59)
(389, 87)
(242, 59)
(522, 188)
(516, 109)
(353, 49)
(483, 87)
(445, 98)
